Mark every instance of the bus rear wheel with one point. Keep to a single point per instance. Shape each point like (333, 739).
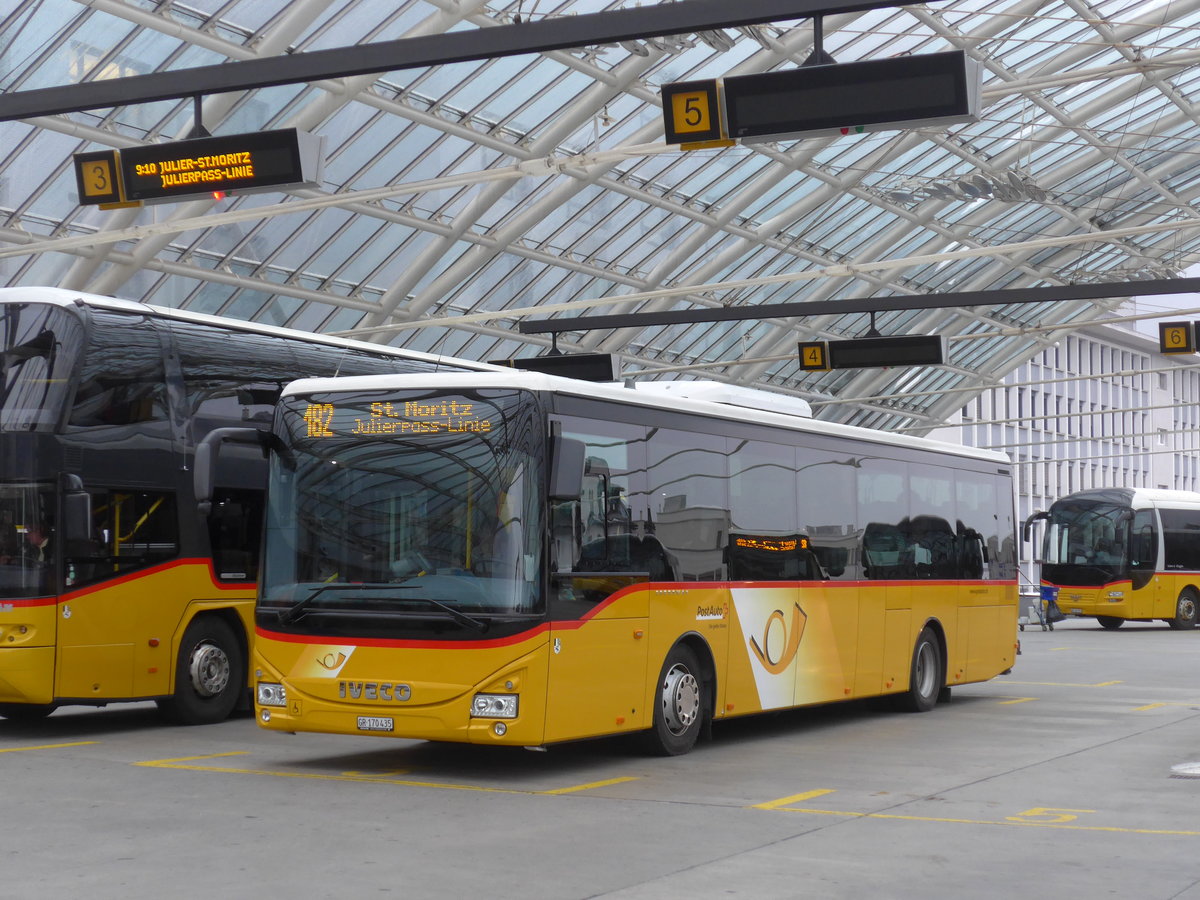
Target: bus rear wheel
(1110, 622)
(680, 704)
(210, 674)
(925, 677)
(1185, 611)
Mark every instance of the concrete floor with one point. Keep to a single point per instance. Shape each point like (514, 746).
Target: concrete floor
(1055, 781)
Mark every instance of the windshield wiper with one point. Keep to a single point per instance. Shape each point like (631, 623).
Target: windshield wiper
(292, 613)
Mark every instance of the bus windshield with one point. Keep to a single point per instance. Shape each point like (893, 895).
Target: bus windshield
(404, 514)
(38, 347)
(1087, 542)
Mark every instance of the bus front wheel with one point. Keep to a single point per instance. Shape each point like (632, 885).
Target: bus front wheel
(210, 674)
(679, 707)
(1185, 611)
(925, 677)
(1110, 622)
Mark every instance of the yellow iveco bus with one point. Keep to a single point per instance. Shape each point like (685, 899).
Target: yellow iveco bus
(114, 584)
(1123, 554)
(521, 559)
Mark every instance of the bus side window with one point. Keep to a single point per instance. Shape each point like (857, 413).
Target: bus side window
(131, 530)
(885, 552)
(1144, 548)
(122, 381)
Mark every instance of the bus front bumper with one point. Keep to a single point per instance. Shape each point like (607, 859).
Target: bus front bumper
(26, 675)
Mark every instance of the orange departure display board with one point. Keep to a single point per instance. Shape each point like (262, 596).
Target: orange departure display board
(230, 163)
(180, 170)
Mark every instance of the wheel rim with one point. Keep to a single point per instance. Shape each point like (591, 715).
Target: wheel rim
(926, 669)
(209, 668)
(680, 699)
(1187, 608)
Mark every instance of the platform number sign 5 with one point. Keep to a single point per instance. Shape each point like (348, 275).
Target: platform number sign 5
(691, 112)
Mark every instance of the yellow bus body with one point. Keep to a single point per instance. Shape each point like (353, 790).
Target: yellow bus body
(1157, 599)
(771, 646)
(117, 640)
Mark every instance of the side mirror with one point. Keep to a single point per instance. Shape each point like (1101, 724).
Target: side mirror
(566, 468)
(77, 510)
(1027, 528)
(205, 464)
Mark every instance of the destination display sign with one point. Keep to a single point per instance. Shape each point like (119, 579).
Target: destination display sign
(932, 89)
(771, 544)
(407, 418)
(180, 170)
(873, 353)
(231, 163)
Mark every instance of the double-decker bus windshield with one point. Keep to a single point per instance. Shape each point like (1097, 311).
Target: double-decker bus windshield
(38, 347)
(1087, 542)
(404, 514)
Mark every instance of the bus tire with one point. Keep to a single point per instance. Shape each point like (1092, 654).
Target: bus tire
(679, 704)
(26, 712)
(1185, 610)
(210, 674)
(925, 677)
(1110, 622)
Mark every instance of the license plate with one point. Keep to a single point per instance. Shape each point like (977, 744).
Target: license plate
(1076, 612)
(376, 723)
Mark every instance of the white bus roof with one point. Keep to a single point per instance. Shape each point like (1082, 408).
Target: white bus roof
(1138, 498)
(653, 398)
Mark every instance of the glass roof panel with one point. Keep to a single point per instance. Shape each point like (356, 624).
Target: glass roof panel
(603, 208)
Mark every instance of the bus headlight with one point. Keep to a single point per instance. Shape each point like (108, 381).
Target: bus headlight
(494, 706)
(1116, 595)
(271, 694)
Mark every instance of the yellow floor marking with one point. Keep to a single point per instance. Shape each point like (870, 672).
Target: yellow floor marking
(588, 787)
(1165, 703)
(1017, 700)
(778, 804)
(1064, 683)
(361, 777)
(47, 747)
(795, 798)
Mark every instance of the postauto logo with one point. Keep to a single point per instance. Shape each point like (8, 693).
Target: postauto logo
(788, 641)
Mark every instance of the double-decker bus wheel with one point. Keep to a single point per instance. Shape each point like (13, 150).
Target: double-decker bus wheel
(679, 704)
(1185, 610)
(1110, 622)
(925, 678)
(26, 712)
(210, 674)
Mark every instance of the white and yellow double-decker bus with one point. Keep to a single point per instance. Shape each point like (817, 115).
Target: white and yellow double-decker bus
(1123, 554)
(520, 559)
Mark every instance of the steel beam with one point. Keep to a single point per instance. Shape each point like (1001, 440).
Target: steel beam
(557, 33)
(865, 304)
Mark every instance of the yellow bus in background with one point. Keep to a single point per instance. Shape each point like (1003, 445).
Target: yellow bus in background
(521, 559)
(114, 584)
(1123, 554)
